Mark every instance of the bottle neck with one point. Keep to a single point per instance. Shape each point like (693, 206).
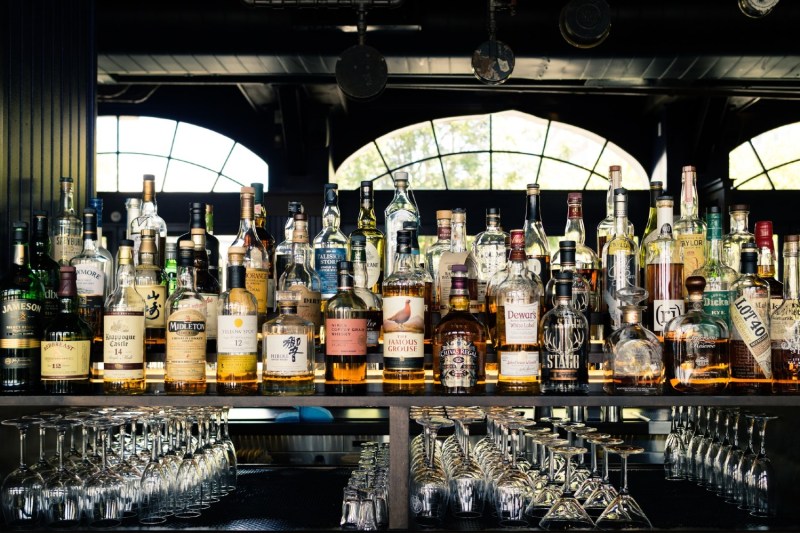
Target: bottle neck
(20, 253)
(330, 217)
(766, 264)
(90, 242)
(664, 215)
(517, 263)
(288, 228)
(493, 224)
(791, 276)
(299, 250)
(366, 214)
(695, 303)
(126, 275)
(359, 268)
(443, 231)
(615, 182)
(575, 229)
(147, 258)
(287, 308)
(739, 222)
(533, 212)
(247, 224)
(67, 201)
(620, 224)
(41, 245)
(345, 283)
(186, 277)
(458, 237)
(689, 199)
(404, 263)
(714, 250)
(459, 302)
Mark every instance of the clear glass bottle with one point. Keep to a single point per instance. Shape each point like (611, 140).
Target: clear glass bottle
(283, 250)
(45, 267)
(652, 230)
(633, 362)
(719, 277)
(401, 209)
(433, 256)
(690, 230)
(620, 259)
(330, 244)
(767, 263)
(237, 336)
(564, 344)
(97, 205)
(133, 209)
(66, 233)
(459, 342)
(124, 330)
(605, 229)
(149, 218)
(288, 360)
(785, 324)
(663, 281)
(185, 371)
(300, 276)
(152, 287)
(368, 227)
(739, 234)
(346, 337)
(489, 255)
(66, 343)
(197, 220)
(208, 287)
(266, 238)
(751, 358)
(374, 303)
(696, 346)
(536, 246)
(171, 267)
(457, 255)
(581, 290)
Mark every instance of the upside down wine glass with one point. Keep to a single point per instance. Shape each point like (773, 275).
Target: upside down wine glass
(761, 478)
(22, 489)
(567, 513)
(62, 493)
(624, 512)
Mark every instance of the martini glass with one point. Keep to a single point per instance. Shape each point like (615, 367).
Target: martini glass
(595, 479)
(545, 498)
(566, 512)
(603, 495)
(21, 492)
(62, 494)
(624, 512)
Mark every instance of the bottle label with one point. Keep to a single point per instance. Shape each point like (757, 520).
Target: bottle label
(561, 354)
(90, 279)
(256, 282)
(230, 365)
(65, 360)
(458, 363)
(447, 260)
(123, 346)
(66, 246)
(580, 299)
(664, 311)
(403, 331)
(308, 308)
(154, 296)
(750, 327)
(718, 304)
(286, 353)
(237, 334)
(521, 323)
(211, 314)
(692, 250)
(186, 345)
(326, 261)
(20, 328)
(444, 233)
(346, 336)
(50, 309)
(374, 264)
(540, 265)
(518, 364)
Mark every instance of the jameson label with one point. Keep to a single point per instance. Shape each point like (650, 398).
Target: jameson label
(326, 261)
(237, 334)
(286, 353)
(154, 297)
(90, 279)
(458, 363)
(718, 304)
(65, 247)
(346, 336)
(447, 260)
(540, 265)
(664, 311)
(523, 363)
(521, 323)
(211, 314)
(186, 345)
(308, 308)
(123, 346)
(65, 360)
(692, 250)
(373, 264)
(750, 327)
(256, 282)
(403, 332)
(19, 325)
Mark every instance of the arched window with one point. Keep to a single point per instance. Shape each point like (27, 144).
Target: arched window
(504, 150)
(767, 161)
(183, 157)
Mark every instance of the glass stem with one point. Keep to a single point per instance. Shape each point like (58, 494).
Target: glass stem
(763, 434)
(750, 427)
(552, 469)
(624, 474)
(595, 473)
(103, 449)
(41, 443)
(432, 448)
(465, 432)
(568, 474)
(514, 444)
(605, 464)
(60, 450)
(22, 433)
(122, 442)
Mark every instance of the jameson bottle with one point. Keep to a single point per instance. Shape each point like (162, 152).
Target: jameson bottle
(288, 368)
(45, 267)
(65, 232)
(690, 230)
(256, 259)
(260, 215)
(536, 247)
(152, 287)
(208, 287)
(346, 340)
(66, 343)
(785, 324)
(149, 218)
(123, 330)
(197, 220)
(237, 337)
(21, 297)
(368, 227)
(283, 251)
(301, 277)
(401, 209)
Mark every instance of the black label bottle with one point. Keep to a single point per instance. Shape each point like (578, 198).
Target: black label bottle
(198, 217)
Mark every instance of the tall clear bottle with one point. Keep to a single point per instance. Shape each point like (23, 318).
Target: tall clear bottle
(171, 266)
(690, 230)
(44, 266)
(374, 303)
(149, 218)
(152, 287)
(368, 227)
(605, 229)
(97, 205)
(536, 246)
(663, 281)
(300, 276)
(739, 234)
(260, 216)
(719, 277)
(208, 287)
(65, 232)
(197, 220)
(346, 341)
(237, 336)
(288, 360)
(652, 229)
(768, 263)
(433, 256)
(489, 255)
(620, 259)
(401, 209)
(124, 330)
(785, 324)
(283, 250)
(330, 244)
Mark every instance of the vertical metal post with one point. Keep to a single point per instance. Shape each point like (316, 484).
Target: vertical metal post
(398, 465)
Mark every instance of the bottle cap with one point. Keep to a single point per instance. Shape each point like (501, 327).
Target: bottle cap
(750, 247)
(791, 245)
(517, 237)
(574, 198)
(459, 215)
(366, 184)
(688, 169)
(665, 198)
(400, 177)
(763, 233)
(125, 251)
(197, 207)
(236, 254)
(300, 216)
(258, 189)
(533, 188)
(615, 168)
(345, 267)
(97, 203)
(563, 283)
(739, 207)
(67, 280)
(458, 268)
(713, 209)
(494, 211)
(20, 231)
(331, 193)
(40, 223)
(657, 184)
(149, 177)
(444, 214)
(296, 207)
(186, 253)
(403, 237)
(65, 179)
(695, 285)
(567, 251)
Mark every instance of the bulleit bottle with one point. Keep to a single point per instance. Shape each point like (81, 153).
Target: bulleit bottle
(288, 350)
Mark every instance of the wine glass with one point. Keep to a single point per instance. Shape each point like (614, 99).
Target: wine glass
(511, 488)
(129, 472)
(429, 489)
(103, 490)
(21, 491)
(709, 474)
(595, 479)
(603, 495)
(745, 464)
(467, 483)
(761, 478)
(154, 483)
(702, 448)
(566, 512)
(188, 480)
(724, 449)
(674, 452)
(696, 439)
(230, 450)
(624, 512)
(731, 463)
(62, 493)
(42, 465)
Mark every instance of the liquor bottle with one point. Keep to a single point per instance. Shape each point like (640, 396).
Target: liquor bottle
(719, 277)
(171, 267)
(459, 342)
(210, 219)
(152, 287)
(288, 349)
(209, 289)
(633, 362)
(260, 216)
(283, 251)
(256, 260)
(433, 256)
(739, 234)
(374, 303)
(620, 258)
(519, 307)
(66, 343)
(237, 336)
(149, 219)
(663, 281)
(197, 220)
(330, 244)
(581, 290)
(404, 321)
(65, 231)
(346, 337)
(368, 227)
(489, 255)
(767, 262)
(124, 330)
(185, 371)
(45, 267)
(426, 278)
(22, 297)
(690, 230)
(300, 276)
(401, 209)
(97, 205)
(751, 358)
(457, 255)
(564, 342)
(652, 229)
(536, 247)
(785, 324)
(696, 346)
(606, 227)
(133, 209)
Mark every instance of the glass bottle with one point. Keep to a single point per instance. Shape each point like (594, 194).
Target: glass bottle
(66, 343)
(690, 230)
(208, 287)
(65, 231)
(739, 234)
(652, 229)
(97, 205)
(288, 360)
(785, 324)
(149, 218)
(457, 255)
(283, 251)
(152, 287)
(404, 321)
(587, 263)
(185, 371)
(401, 209)
(620, 259)
(633, 361)
(751, 359)
(124, 330)
(459, 342)
(581, 290)
(45, 267)
(605, 229)
(237, 336)
(696, 346)
(22, 297)
(489, 255)
(423, 274)
(368, 227)
(433, 256)
(374, 303)
(266, 238)
(171, 267)
(300, 276)
(330, 244)
(767, 263)
(519, 307)
(536, 246)
(133, 209)
(719, 277)
(346, 337)
(663, 281)
(564, 342)
(197, 220)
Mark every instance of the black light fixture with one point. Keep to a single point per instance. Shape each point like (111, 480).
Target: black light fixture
(493, 60)
(361, 70)
(757, 8)
(585, 23)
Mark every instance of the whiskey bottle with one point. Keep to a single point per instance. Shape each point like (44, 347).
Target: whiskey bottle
(739, 234)
(171, 267)
(767, 263)
(22, 297)
(690, 230)
(358, 257)
(66, 343)
(433, 256)
(346, 337)
(459, 342)
(124, 330)
(401, 209)
(133, 208)
(208, 287)
(785, 324)
(489, 255)
(197, 220)
(368, 227)
(288, 368)
(457, 255)
(606, 227)
(536, 247)
(283, 251)
(581, 290)
(663, 281)
(237, 336)
(152, 287)
(65, 232)
(652, 229)
(620, 259)
(696, 346)
(44, 266)
(564, 342)
(719, 277)
(330, 245)
(300, 276)
(210, 219)
(260, 216)
(751, 358)
(149, 218)
(426, 278)
(186, 331)
(97, 205)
